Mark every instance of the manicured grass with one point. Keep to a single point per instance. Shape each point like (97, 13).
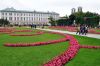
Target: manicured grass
(29, 56)
(98, 30)
(15, 39)
(86, 57)
(87, 41)
(22, 28)
(36, 56)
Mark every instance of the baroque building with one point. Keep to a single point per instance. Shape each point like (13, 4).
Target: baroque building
(23, 17)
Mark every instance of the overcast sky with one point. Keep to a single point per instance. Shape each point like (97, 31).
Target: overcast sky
(62, 7)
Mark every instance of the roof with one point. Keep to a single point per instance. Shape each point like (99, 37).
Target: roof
(24, 11)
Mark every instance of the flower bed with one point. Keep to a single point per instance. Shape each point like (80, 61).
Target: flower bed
(93, 31)
(37, 43)
(58, 60)
(64, 57)
(89, 47)
(68, 28)
(38, 33)
(6, 30)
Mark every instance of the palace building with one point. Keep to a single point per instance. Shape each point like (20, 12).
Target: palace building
(22, 17)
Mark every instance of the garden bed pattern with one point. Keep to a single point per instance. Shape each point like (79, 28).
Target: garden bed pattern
(65, 56)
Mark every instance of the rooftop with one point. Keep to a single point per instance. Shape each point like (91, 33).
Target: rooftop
(25, 11)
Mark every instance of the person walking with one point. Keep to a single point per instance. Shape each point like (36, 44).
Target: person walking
(86, 29)
(82, 28)
(78, 29)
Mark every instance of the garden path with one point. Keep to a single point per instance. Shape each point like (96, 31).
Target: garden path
(73, 33)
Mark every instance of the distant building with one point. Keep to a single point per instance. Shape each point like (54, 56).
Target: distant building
(73, 10)
(22, 17)
(79, 9)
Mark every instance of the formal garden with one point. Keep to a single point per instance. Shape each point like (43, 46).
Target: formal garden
(21, 46)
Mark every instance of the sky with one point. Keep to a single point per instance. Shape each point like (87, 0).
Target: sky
(63, 7)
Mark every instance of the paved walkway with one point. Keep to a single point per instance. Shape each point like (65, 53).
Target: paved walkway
(73, 33)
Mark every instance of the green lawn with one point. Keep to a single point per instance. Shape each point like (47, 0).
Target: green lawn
(86, 57)
(29, 56)
(87, 41)
(98, 30)
(36, 56)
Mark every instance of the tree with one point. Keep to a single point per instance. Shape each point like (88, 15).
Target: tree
(52, 21)
(88, 18)
(63, 21)
(4, 22)
(72, 17)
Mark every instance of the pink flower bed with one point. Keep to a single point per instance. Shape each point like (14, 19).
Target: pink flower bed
(89, 47)
(68, 28)
(38, 33)
(6, 30)
(36, 43)
(61, 59)
(93, 31)
(66, 56)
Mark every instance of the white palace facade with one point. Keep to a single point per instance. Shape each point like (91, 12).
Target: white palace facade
(21, 17)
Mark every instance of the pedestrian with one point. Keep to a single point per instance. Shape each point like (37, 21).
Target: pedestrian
(86, 29)
(35, 26)
(82, 28)
(78, 29)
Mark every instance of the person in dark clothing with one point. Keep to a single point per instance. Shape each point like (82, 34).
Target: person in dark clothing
(35, 26)
(82, 29)
(86, 30)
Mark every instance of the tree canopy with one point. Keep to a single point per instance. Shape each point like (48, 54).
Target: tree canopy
(4, 22)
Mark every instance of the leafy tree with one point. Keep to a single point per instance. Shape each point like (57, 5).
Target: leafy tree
(4, 22)
(52, 21)
(88, 18)
(62, 22)
(72, 17)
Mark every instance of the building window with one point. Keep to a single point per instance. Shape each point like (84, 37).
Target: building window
(24, 14)
(34, 14)
(10, 13)
(32, 19)
(39, 19)
(29, 15)
(15, 18)
(2, 13)
(5, 13)
(24, 18)
(21, 18)
(21, 14)
(10, 18)
(17, 14)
